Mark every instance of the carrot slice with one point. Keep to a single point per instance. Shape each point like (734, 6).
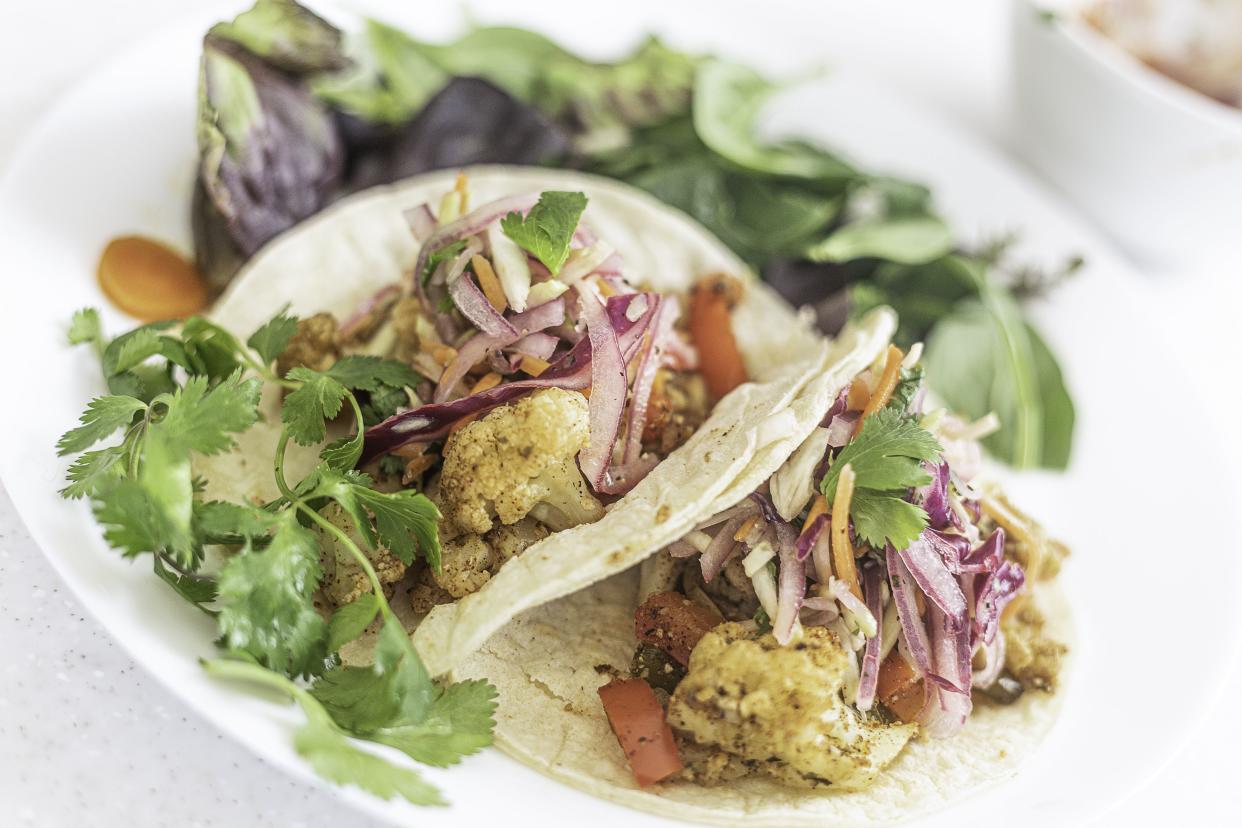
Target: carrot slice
(859, 394)
(149, 280)
(819, 506)
(711, 329)
(884, 389)
(488, 283)
(842, 550)
(533, 365)
(640, 727)
(462, 187)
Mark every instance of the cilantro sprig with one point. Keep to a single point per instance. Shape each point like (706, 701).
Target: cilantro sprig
(548, 228)
(886, 458)
(177, 391)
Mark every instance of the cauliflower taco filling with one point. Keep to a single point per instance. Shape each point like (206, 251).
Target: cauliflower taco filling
(871, 590)
(550, 384)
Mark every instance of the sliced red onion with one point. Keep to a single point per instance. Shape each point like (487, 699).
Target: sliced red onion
(935, 580)
(902, 583)
(841, 428)
(612, 268)
(810, 534)
(609, 385)
(722, 547)
(987, 557)
(746, 508)
(421, 220)
(481, 345)
(870, 673)
(434, 421)
(626, 475)
(682, 549)
(538, 345)
(838, 406)
(583, 263)
(376, 301)
(948, 703)
(649, 360)
(765, 506)
(862, 614)
(820, 603)
(997, 591)
(791, 588)
(475, 307)
(993, 663)
(472, 224)
(934, 497)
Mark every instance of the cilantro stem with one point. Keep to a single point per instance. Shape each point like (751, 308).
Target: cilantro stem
(348, 542)
(281, 483)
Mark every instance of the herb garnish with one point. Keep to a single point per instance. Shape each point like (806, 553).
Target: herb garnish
(548, 228)
(178, 391)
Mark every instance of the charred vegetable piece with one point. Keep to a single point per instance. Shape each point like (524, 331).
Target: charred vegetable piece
(638, 722)
(673, 624)
(657, 668)
(899, 687)
(712, 300)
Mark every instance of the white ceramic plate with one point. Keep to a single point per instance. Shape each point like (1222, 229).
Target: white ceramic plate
(1145, 505)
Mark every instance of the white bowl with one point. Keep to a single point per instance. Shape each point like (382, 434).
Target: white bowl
(1156, 164)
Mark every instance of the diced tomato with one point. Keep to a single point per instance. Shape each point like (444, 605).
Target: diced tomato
(711, 329)
(639, 724)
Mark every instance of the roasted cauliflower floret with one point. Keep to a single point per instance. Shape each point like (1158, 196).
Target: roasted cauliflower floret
(1030, 655)
(343, 578)
(509, 541)
(519, 460)
(466, 564)
(314, 345)
(780, 709)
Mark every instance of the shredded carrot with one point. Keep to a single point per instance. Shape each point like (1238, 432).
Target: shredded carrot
(488, 380)
(489, 284)
(884, 389)
(605, 288)
(442, 354)
(842, 550)
(859, 394)
(744, 529)
(533, 365)
(416, 467)
(1017, 529)
(462, 186)
(819, 506)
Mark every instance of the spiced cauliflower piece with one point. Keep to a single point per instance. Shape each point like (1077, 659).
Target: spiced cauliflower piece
(779, 709)
(343, 578)
(468, 561)
(314, 345)
(520, 460)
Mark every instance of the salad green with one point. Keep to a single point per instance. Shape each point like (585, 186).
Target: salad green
(681, 126)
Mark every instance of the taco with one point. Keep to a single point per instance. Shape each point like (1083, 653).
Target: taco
(571, 418)
(865, 634)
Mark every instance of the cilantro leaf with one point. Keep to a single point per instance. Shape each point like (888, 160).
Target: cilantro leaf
(128, 517)
(458, 724)
(342, 455)
(881, 518)
(93, 470)
(548, 228)
(396, 690)
(369, 373)
(218, 521)
(405, 521)
(103, 416)
(383, 403)
(267, 604)
(197, 589)
(85, 327)
(351, 620)
(441, 255)
(204, 420)
(166, 478)
(270, 340)
(209, 350)
(886, 458)
(907, 386)
(323, 744)
(137, 346)
(885, 455)
(334, 758)
(307, 409)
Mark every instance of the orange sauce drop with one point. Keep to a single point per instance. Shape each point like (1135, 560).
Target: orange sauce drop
(149, 280)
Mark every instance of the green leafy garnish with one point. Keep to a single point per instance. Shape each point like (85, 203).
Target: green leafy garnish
(182, 391)
(548, 228)
(885, 458)
(441, 255)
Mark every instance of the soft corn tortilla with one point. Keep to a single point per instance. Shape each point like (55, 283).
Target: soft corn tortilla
(548, 664)
(344, 255)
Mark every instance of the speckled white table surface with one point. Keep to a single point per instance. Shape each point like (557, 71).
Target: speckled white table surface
(87, 738)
